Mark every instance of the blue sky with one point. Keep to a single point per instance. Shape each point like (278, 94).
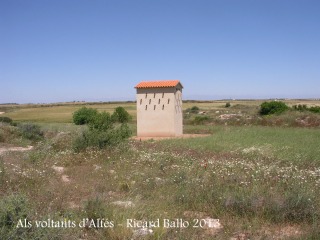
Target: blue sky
(97, 50)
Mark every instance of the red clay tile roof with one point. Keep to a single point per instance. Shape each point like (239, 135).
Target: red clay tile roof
(158, 84)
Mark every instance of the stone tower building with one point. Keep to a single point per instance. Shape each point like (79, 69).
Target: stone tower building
(159, 108)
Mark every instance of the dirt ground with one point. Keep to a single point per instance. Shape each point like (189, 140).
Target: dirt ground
(162, 138)
(4, 149)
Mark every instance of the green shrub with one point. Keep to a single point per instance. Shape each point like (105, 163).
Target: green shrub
(101, 121)
(304, 107)
(84, 115)
(30, 131)
(8, 133)
(194, 109)
(200, 119)
(101, 139)
(5, 119)
(273, 107)
(314, 109)
(103, 131)
(228, 105)
(12, 209)
(300, 107)
(121, 115)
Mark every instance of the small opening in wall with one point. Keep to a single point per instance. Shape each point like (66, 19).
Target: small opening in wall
(149, 101)
(163, 95)
(168, 100)
(159, 101)
(146, 95)
(163, 107)
(154, 107)
(146, 107)
(154, 95)
(140, 101)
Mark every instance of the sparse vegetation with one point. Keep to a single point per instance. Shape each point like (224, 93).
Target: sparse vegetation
(258, 175)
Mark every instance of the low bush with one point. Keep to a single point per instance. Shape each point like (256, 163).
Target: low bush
(8, 133)
(300, 107)
(200, 120)
(304, 107)
(273, 107)
(84, 115)
(103, 131)
(12, 209)
(30, 131)
(228, 105)
(314, 109)
(5, 120)
(101, 139)
(194, 109)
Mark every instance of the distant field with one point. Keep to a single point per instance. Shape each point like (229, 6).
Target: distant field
(63, 113)
(60, 114)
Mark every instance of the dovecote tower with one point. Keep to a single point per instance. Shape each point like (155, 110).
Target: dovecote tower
(159, 108)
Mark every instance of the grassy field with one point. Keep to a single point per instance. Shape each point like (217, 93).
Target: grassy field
(59, 114)
(260, 176)
(62, 113)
